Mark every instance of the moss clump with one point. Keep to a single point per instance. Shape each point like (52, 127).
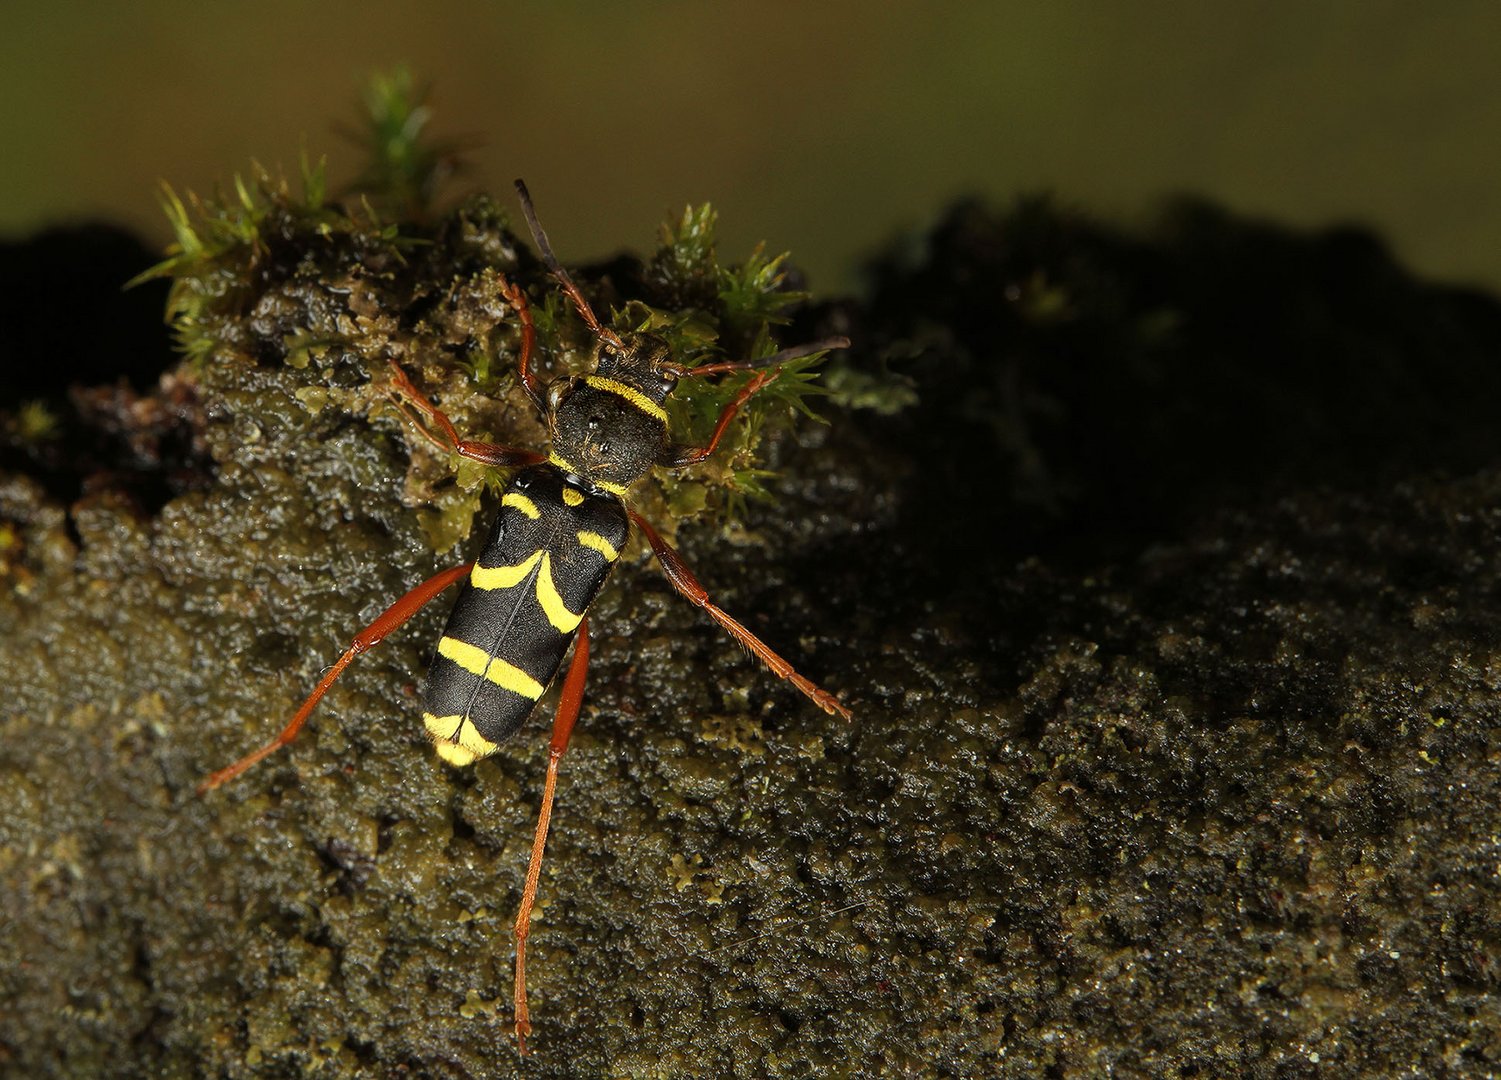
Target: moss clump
(338, 288)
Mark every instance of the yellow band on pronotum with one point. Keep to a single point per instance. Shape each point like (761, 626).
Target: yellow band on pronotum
(629, 393)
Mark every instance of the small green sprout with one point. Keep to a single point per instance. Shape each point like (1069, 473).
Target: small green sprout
(34, 423)
(404, 169)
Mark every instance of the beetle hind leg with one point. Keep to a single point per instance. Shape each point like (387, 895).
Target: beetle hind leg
(570, 701)
(373, 634)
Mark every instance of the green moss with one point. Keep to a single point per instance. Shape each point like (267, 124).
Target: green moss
(404, 167)
(33, 423)
(336, 288)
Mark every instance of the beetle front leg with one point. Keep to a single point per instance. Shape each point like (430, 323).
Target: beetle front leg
(373, 634)
(529, 381)
(678, 456)
(492, 454)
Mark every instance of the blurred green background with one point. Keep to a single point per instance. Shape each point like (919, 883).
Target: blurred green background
(828, 128)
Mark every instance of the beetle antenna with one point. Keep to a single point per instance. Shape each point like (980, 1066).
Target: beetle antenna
(797, 352)
(556, 268)
(794, 353)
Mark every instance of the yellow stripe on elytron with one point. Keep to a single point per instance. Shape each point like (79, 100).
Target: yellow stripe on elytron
(502, 577)
(629, 393)
(453, 753)
(456, 739)
(603, 485)
(478, 662)
(522, 503)
(469, 657)
(599, 544)
(563, 620)
(572, 497)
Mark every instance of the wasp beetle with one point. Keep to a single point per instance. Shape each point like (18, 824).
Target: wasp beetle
(564, 521)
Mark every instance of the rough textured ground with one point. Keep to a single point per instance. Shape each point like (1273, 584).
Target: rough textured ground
(1175, 662)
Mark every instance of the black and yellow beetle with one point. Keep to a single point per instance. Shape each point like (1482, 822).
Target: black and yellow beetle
(563, 523)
